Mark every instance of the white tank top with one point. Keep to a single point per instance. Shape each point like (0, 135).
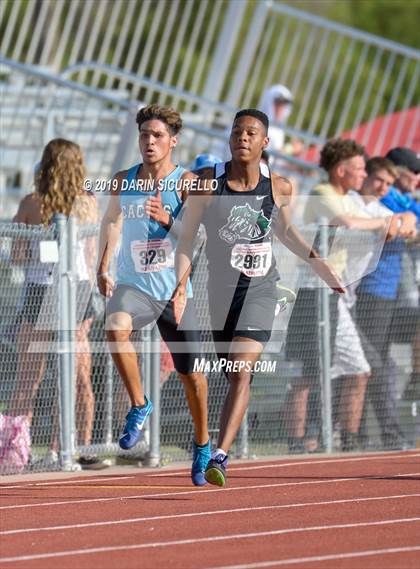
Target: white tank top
(43, 273)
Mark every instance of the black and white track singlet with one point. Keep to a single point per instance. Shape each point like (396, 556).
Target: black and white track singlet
(240, 228)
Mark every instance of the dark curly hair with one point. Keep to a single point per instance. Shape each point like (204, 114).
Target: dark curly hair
(338, 149)
(169, 116)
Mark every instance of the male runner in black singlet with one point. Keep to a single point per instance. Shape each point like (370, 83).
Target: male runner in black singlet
(241, 211)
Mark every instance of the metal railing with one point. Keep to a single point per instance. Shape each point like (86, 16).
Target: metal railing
(341, 77)
(230, 52)
(41, 106)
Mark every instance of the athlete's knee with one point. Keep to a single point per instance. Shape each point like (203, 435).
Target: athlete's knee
(239, 367)
(119, 326)
(240, 378)
(197, 380)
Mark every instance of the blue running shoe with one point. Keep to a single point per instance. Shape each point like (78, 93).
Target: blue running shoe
(216, 470)
(134, 424)
(201, 457)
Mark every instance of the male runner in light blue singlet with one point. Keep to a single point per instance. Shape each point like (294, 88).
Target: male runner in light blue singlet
(145, 205)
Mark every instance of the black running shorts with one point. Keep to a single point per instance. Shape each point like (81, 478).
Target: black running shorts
(250, 315)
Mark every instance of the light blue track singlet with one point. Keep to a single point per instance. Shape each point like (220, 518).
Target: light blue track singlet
(147, 253)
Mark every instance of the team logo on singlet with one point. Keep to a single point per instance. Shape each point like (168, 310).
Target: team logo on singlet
(244, 222)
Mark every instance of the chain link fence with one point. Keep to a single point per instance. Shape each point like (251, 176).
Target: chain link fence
(56, 370)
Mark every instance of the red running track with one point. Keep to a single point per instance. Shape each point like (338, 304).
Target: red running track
(343, 512)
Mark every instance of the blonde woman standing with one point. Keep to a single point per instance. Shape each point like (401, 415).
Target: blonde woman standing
(58, 189)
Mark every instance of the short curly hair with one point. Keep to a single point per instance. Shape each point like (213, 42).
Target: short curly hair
(169, 116)
(338, 149)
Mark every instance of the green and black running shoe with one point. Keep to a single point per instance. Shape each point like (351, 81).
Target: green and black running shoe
(216, 470)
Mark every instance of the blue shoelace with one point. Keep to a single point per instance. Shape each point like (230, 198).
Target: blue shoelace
(201, 458)
(135, 415)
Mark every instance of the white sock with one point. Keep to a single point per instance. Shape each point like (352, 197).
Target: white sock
(218, 451)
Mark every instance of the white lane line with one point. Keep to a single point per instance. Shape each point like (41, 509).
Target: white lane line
(300, 463)
(59, 482)
(298, 560)
(205, 513)
(86, 551)
(207, 490)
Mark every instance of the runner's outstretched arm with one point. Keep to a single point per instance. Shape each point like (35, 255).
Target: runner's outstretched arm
(290, 236)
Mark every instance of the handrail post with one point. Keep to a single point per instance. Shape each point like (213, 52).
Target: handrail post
(325, 346)
(65, 372)
(153, 456)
